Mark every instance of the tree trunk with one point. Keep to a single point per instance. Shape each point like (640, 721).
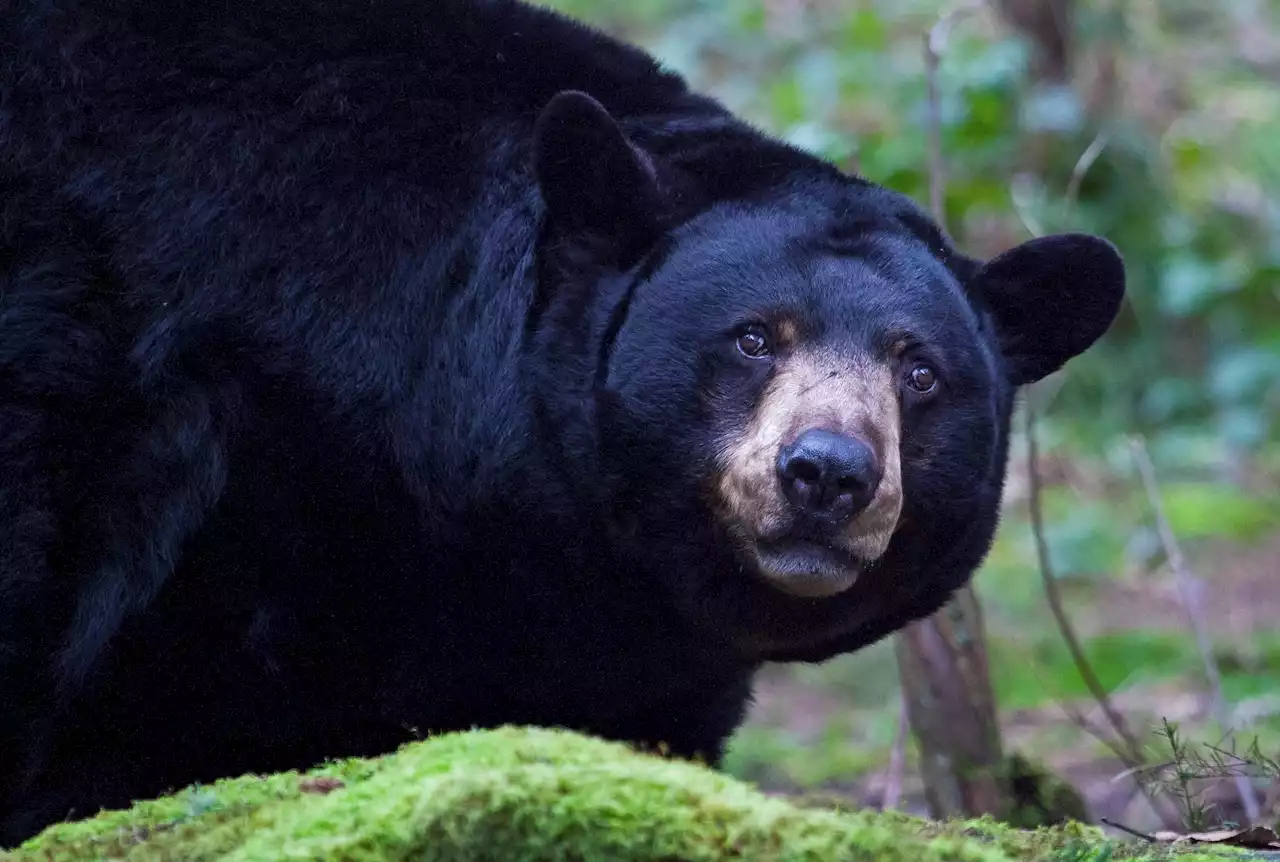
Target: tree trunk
(951, 708)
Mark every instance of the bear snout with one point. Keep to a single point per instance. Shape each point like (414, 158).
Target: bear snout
(828, 476)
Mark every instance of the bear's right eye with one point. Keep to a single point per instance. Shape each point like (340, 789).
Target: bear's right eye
(753, 343)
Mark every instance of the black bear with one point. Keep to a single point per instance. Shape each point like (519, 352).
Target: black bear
(380, 367)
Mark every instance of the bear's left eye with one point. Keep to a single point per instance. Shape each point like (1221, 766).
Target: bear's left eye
(922, 378)
(753, 343)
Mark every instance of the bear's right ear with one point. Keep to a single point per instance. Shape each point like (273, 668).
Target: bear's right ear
(595, 183)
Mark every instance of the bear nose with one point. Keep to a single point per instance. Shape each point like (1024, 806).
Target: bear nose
(828, 475)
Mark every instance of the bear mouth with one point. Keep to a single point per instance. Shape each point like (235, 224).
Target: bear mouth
(806, 568)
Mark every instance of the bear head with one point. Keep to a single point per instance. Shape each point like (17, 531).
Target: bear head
(794, 394)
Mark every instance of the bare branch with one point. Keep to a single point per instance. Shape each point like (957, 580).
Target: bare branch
(1086, 160)
(1080, 720)
(1188, 586)
(1019, 194)
(1134, 768)
(1114, 718)
(1021, 186)
(1126, 746)
(1134, 832)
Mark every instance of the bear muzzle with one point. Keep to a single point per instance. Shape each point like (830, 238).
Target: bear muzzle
(841, 511)
(811, 488)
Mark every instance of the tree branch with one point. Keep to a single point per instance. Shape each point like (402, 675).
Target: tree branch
(1188, 586)
(1054, 596)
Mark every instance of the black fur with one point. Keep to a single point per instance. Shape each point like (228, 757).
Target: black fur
(319, 428)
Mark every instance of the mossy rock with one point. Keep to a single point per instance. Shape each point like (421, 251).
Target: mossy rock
(517, 794)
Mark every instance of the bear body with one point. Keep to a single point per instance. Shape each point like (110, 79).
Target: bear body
(369, 370)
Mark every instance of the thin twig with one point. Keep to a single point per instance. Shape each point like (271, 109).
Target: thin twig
(1122, 748)
(1114, 718)
(1019, 192)
(1086, 160)
(1133, 768)
(1134, 832)
(1080, 720)
(1126, 747)
(1019, 189)
(1188, 585)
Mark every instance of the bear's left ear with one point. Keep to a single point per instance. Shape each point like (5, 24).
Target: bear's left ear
(595, 182)
(1051, 298)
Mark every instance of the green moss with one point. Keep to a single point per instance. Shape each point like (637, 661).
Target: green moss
(1038, 797)
(524, 794)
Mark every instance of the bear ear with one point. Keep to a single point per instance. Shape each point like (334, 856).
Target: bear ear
(1051, 298)
(594, 181)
